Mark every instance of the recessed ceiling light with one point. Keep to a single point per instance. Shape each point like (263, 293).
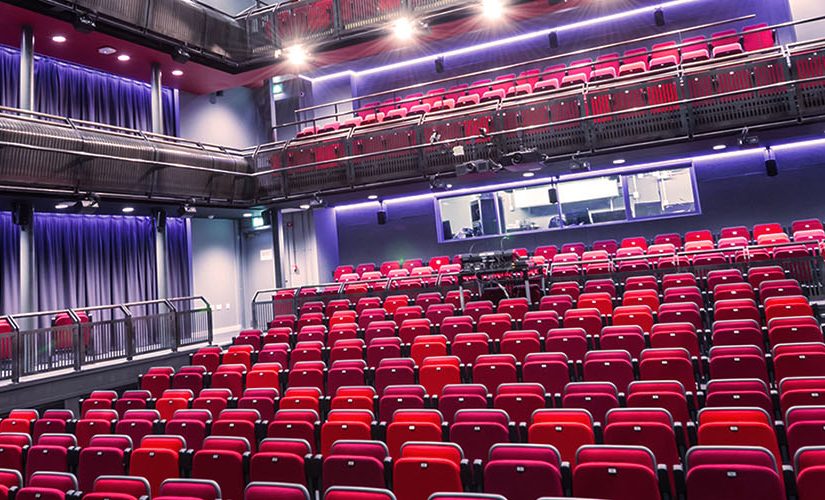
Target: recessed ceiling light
(449, 186)
(128, 210)
(62, 205)
(123, 57)
(720, 147)
(247, 215)
(372, 197)
(106, 50)
(528, 174)
(619, 161)
(304, 206)
(177, 72)
(59, 39)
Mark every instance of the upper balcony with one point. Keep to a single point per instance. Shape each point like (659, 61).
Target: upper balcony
(604, 100)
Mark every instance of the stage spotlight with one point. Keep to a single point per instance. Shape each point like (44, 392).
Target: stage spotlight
(296, 55)
(492, 10)
(404, 29)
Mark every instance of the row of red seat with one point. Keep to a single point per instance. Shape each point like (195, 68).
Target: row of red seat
(580, 72)
(803, 230)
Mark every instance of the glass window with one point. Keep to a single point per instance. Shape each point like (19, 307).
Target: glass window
(469, 216)
(664, 192)
(530, 209)
(592, 201)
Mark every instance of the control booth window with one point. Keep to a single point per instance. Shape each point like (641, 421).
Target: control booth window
(663, 192)
(592, 200)
(470, 216)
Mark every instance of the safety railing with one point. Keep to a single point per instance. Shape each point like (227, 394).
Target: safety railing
(72, 339)
(807, 267)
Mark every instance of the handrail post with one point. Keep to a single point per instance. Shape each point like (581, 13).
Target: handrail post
(130, 333)
(175, 325)
(77, 340)
(209, 325)
(16, 351)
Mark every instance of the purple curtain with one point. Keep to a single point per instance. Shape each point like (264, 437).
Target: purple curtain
(74, 91)
(179, 258)
(85, 260)
(9, 265)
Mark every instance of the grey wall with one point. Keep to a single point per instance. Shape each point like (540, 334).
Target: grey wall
(802, 9)
(258, 266)
(233, 120)
(216, 270)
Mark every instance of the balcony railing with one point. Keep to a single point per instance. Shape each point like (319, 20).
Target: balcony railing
(73, 339)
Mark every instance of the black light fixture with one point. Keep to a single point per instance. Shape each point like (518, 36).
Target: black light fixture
(180, 55)
(439, 64)
(84, 23)
(553, 39)
(771, 166)
(659, 17)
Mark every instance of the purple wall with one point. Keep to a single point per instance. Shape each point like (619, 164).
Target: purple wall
(733, 190)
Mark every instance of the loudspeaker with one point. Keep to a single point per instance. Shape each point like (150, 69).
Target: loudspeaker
(159, 216)
(382, 217)
(22, 214)
(439, 65)
(553, 196)
(266, 215)
(553, 38)
(771, 167)
(659, 17)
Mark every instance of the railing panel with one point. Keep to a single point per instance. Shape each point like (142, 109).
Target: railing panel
(357, 14)
(305, 21)
(193, 320)
(50, 348)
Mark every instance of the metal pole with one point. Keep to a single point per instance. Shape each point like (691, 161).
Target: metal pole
(160, 255)
(157, 99)
(27, 69)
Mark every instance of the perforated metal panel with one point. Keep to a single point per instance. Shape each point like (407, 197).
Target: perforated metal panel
(183, 21)
(129, 11)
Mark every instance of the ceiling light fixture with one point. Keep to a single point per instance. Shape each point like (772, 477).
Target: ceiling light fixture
(304, 206)
(123, 58)
(128, 210)
(177, 72)
(619, 161)
(372, 197)
(720, 147)
(492, 10)
(59, 39)
(296, 55)
(247, 215)
(106, 50)
(528, 174)
(62, 205)
(403, 28)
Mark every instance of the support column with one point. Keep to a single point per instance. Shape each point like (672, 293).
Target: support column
(157, 99)
(26, 97)
(160, 254)
(28, 276)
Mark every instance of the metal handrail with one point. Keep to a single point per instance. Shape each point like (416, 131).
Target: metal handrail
(24, 337)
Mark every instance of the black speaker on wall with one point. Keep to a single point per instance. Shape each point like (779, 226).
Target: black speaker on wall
(159, 215)
(553, 195)
(553, 38)
(659, 17)
(771, 167)
(22, 213)
(382, 216)
(439, 65)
